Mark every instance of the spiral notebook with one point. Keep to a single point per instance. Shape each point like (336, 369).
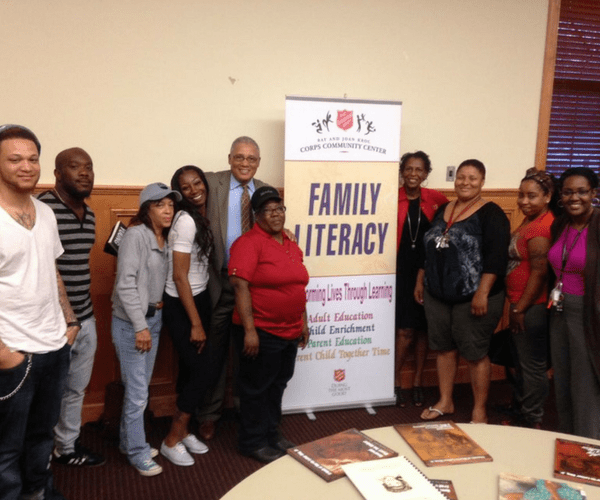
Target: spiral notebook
(390, 478)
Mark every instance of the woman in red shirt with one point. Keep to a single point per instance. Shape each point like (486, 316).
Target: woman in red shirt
(268, 276)
(527, 293)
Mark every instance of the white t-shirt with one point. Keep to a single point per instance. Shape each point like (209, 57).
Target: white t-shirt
(182, 239)
(31, 318)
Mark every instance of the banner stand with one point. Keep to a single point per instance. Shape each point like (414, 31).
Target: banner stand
(341, 194)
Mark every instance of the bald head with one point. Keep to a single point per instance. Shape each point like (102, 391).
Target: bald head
(74, 173)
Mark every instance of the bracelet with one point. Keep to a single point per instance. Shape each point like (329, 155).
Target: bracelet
(516, 311)
(74, 323)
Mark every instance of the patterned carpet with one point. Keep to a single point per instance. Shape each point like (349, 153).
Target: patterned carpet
(222, 467)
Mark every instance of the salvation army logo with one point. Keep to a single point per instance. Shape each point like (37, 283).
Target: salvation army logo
(345, 119)
(339, 375)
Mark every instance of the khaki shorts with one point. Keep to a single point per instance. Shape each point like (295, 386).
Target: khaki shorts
(452, 326)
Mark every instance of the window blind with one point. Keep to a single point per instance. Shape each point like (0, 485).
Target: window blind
(574, 135)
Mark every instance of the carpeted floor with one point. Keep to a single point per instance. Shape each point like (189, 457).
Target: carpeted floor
(222, 467)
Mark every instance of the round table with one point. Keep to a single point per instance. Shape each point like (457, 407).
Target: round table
(514, 450)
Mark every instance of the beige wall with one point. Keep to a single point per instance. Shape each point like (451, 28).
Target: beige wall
(149, 85)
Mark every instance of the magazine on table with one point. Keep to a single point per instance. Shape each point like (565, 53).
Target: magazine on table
(326, 456)
(577, 461)
(442, 443)
(516, 487)
(391, 478)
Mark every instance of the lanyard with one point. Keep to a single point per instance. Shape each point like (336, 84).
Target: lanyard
(451, 220)
(565, 252)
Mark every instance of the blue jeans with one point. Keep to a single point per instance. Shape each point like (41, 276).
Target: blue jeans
(83, 350)
(136, 372)
(26, 422)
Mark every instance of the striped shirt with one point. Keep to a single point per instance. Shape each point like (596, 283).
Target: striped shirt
(77, 238)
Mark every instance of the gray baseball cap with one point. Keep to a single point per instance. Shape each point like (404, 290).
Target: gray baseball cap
(157, 191)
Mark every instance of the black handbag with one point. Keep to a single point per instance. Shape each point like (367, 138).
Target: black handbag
(501, 350)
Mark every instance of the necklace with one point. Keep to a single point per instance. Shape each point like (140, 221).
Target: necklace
(413, 241)
(443, 240)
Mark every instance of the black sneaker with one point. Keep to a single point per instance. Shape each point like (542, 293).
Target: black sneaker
(81, 457)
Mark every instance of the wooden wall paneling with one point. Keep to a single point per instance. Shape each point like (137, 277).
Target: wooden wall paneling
(113, 203)
(506, 199)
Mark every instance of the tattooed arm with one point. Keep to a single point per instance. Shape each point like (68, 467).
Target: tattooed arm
(67, 310)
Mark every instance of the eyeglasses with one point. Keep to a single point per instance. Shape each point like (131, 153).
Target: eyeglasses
(580, 193)
(240, 159)
(273, 211)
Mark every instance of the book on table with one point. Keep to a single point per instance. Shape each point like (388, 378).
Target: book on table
(442, 443)
(326, 456)
(516, 487)
(577, 461)
(391, 478)
(446, 487)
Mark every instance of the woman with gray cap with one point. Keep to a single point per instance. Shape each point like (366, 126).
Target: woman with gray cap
(137, 302)
(267, 273)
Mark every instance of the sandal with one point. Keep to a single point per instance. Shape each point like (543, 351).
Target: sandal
(433, 410)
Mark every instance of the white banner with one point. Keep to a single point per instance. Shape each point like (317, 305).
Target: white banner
(341, 193)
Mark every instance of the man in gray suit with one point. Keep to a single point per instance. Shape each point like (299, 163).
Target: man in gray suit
(225, 216)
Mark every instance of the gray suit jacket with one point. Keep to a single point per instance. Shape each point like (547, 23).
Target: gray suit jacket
(217, 211)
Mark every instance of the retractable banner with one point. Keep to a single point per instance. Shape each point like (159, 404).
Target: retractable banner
(341, 193)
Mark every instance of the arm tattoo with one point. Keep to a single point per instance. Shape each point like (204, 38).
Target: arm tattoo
(65, 305)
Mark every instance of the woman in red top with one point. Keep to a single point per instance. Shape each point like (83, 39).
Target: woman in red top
(527, 293)
(268, 276)
(416, 207)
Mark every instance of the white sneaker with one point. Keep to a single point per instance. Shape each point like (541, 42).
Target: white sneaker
(177, 454)
(194, 445)
(149, 468)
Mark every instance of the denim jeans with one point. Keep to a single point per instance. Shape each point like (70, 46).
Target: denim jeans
(136, 372)
(26, 423)
(83, 350)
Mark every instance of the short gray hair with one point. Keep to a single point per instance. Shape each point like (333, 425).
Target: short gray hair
(244, 139)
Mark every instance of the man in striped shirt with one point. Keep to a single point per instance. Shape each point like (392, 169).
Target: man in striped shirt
(74, 175)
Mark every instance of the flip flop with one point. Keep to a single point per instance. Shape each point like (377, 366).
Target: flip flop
(440, 413)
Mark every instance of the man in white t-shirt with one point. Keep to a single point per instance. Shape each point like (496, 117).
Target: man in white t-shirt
(37, 324)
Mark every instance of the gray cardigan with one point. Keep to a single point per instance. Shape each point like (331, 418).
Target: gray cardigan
(141, 265)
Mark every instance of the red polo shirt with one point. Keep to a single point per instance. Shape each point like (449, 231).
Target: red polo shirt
(277, 278)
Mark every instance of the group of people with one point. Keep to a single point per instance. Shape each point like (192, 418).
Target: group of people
(175, 248)
(209, 258)
(177, 266)
(457, 261)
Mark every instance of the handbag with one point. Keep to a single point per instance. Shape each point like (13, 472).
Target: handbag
(501, 350)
